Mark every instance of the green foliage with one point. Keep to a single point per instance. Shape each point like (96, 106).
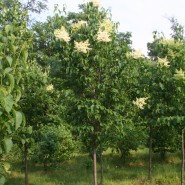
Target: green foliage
(82, 70)
(33, 6)
(178, 29)
(54, 144)
(132, 138)
(14, 44)
(165, 139)
(169, 89)
(91, 77)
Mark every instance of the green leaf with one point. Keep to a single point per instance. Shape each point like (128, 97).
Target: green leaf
(23, 141)
(2, 180)
(29, 129)
(14, 48)
(9, 59)
(12, 81)
(7, 143)
(7, 70)
(18, 119)
(25, 54)
(8, 28)
(161, 86)
(8, 103)
(6, 166)
(18, 95)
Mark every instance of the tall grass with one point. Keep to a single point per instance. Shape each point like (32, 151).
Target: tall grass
(78, 171)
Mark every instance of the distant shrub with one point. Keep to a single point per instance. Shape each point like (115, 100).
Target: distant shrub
(54, 144)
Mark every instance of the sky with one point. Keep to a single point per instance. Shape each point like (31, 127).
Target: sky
(140, 17)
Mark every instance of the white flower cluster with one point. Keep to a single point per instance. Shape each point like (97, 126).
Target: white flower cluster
(179, 75)
(136, 54)
(62, 34)
(163, 62)
(104, 31)
(82, 46)
(103, 36)
(140, 102)
(49, 87)
(78, 25)
(106, 25)
(96, 3)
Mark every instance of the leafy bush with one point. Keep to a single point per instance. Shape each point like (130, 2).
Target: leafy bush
(130, 140)
(53, 144)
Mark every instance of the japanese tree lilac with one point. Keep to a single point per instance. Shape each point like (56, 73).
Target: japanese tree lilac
(96, 3)
(49, 87)
(82, 46)
(62, 34)
(103, 36)
(179, 75)
(140, 102)
(106, 25)
(136, 54)
(78, 25)
(163, 62)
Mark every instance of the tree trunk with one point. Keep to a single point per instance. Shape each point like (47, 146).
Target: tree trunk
(101, 164)
(95, 168)
(150, 153)
(182, 164)
(26, 164)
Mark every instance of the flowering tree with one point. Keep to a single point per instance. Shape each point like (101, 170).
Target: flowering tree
(90, 60)
(172, 86)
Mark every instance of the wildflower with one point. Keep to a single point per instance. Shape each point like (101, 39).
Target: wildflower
(140, 102)
(103, 36)
(136, 54)
(49, 87)
(163, 61)
(106, 25)
(62, 34)
(180, 74)
(96, 3)
(82, 46)
(78, 25)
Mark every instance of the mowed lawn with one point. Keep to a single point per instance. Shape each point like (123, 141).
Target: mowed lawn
(78, 171)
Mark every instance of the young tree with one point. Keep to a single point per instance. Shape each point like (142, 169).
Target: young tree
(14, 44)
(172, 115)
(89, 64)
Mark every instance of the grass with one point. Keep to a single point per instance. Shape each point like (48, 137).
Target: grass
(78, 171)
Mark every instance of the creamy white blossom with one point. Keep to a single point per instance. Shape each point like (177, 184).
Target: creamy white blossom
(49, 87)
(167, 41)
(103, 36)
(62, 34)
(140, 102)
(82, 46)
(180, 74)
(136, 54)
(96, 3)
(163, 62)
(78, 25)
(106, 25)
